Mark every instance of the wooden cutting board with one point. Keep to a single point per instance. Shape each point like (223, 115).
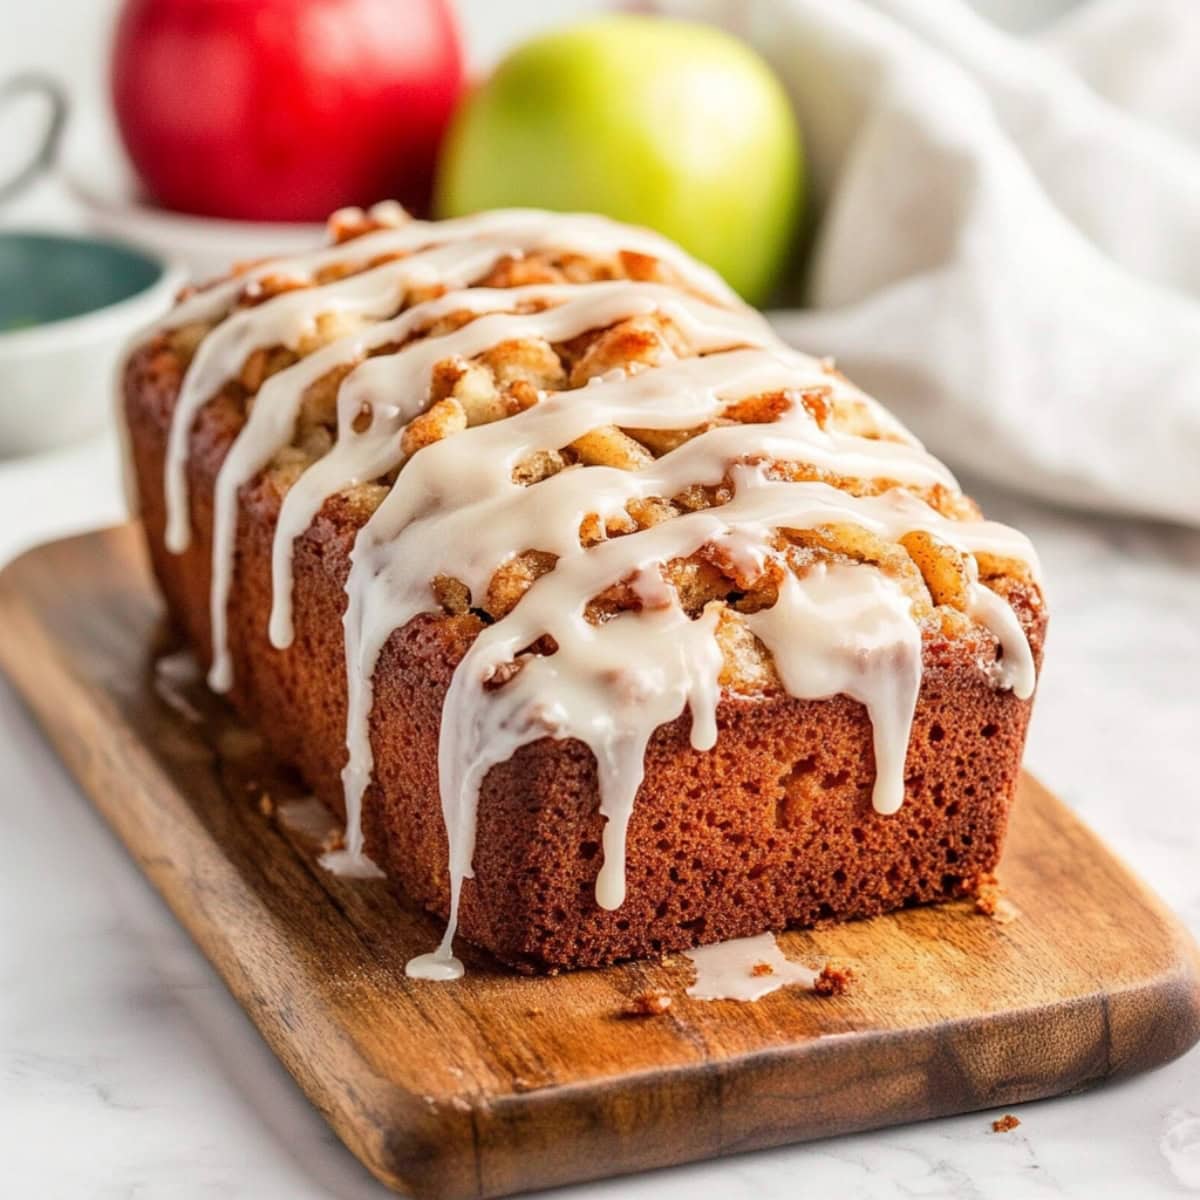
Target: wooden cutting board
(498, 1084)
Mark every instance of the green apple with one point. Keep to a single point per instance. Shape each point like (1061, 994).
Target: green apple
(663, 123)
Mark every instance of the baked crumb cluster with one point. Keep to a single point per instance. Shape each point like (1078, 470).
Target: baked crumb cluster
(516, 374)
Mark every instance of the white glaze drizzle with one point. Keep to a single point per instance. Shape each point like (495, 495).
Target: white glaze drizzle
(456, 252)
(379, 383)
(726, 970)
(455, 511)
(393, 389)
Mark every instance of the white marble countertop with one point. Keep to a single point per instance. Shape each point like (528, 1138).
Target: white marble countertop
(127, 1070)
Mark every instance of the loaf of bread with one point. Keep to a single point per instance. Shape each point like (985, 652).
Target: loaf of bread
(609, 624)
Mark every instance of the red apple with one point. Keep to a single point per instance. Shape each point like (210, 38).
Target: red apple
(285, 110)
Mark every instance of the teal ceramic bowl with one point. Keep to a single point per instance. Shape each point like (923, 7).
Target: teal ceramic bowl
(68, 306)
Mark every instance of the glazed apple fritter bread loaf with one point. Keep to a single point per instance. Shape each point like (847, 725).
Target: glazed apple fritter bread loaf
(610, 624)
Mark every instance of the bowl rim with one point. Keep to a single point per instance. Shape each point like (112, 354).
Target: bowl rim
(169, 278)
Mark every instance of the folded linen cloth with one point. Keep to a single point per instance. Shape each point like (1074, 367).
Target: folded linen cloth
(1007, 245)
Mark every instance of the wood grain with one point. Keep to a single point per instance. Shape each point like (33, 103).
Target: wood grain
(500, 1084)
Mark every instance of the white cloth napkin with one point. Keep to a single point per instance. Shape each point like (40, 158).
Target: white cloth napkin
(1007, 247)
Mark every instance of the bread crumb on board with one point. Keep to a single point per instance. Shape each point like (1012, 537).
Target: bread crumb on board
(991, 902)
(762, 968)
(833, 980)
(652, 1003)
(1005, 1123)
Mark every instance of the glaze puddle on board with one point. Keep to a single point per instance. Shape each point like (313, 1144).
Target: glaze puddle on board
(737, 969)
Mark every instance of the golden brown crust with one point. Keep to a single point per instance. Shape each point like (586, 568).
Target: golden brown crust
(773, 827)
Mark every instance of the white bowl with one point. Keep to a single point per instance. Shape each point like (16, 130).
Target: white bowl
(205, 246)
(83, 299)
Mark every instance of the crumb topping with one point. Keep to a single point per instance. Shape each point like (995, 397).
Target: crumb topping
(515, 375)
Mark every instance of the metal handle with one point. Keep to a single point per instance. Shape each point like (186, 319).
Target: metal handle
(47, 149)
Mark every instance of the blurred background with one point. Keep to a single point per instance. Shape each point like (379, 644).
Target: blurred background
(70, 38)
(67, 37)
